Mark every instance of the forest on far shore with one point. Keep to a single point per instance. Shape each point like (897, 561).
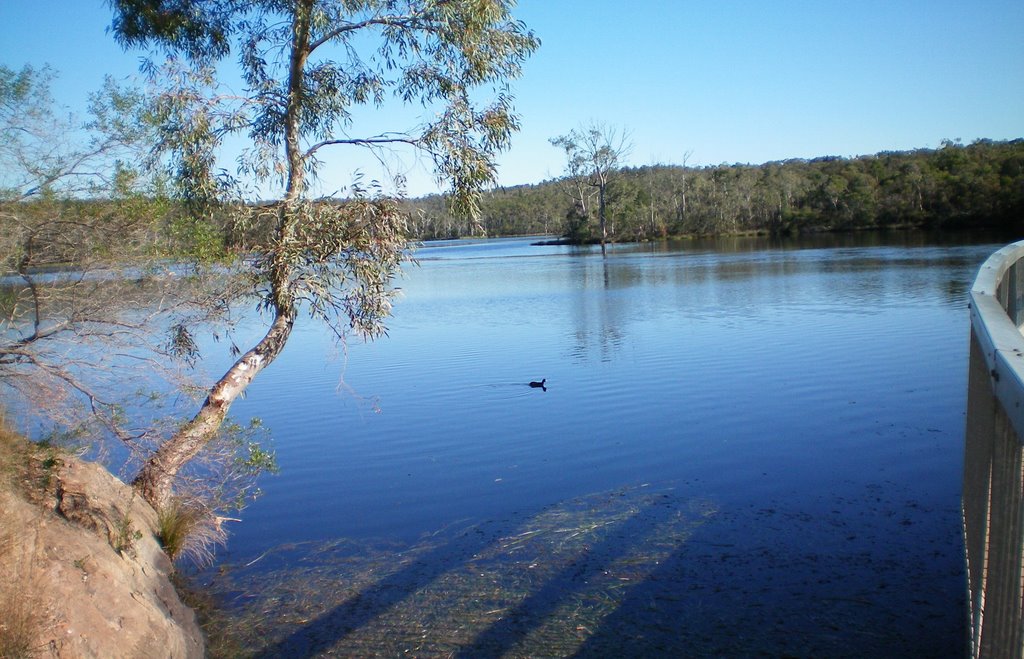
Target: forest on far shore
(954, 187)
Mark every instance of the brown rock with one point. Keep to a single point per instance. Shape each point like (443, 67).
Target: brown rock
(81, 571)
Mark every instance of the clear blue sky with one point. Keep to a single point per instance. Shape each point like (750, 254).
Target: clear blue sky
(723, 80)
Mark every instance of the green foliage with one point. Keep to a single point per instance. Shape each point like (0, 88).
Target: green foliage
(250, 457)
(47, 153)
(225, 475)
(25, 103)
(341, 259)
(200, 33)
(125, 534)
(421, 52)
(306, 66)
(979, 185)
(181, 344)
(256, 460)
(592, 156)
(197, 238)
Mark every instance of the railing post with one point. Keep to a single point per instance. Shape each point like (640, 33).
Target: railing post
(993, 481)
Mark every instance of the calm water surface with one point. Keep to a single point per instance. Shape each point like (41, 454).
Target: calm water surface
(744, 447)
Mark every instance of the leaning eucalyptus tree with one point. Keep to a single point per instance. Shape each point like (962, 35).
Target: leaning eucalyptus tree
(306, 66)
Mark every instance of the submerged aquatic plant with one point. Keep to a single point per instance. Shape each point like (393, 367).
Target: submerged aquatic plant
(542, 583)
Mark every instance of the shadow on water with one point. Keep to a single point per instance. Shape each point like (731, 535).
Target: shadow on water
(335, 625)
(777, 582)
(569, 584)
(635, 572)
(533, 585)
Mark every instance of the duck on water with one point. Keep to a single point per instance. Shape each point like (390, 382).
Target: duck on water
(539, 385)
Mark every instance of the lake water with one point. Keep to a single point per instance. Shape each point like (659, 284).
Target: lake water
(744, 446)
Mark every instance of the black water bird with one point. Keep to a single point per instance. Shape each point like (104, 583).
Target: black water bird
(539, 385)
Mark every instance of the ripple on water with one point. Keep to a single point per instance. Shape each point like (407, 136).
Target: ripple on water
(813, 399)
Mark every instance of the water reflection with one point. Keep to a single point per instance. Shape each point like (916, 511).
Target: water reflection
(626, 287)
(811, 395)
(598, 324)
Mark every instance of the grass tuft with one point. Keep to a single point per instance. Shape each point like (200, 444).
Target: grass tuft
(21, 623)
(125, 536)
(188, 529)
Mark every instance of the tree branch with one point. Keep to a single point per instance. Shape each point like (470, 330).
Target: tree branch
(367, 141)
(406, 21)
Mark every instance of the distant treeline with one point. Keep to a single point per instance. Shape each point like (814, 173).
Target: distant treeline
(955, 187)
(980, 185)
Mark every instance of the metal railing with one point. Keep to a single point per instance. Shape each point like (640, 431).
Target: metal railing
(993, 486)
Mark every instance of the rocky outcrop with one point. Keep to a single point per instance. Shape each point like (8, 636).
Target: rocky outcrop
(81, 571)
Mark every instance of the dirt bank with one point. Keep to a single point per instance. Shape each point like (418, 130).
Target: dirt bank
(81, 571)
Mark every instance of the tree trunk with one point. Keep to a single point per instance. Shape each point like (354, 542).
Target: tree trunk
(602, 218)
(156, 478)
(154, 481)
